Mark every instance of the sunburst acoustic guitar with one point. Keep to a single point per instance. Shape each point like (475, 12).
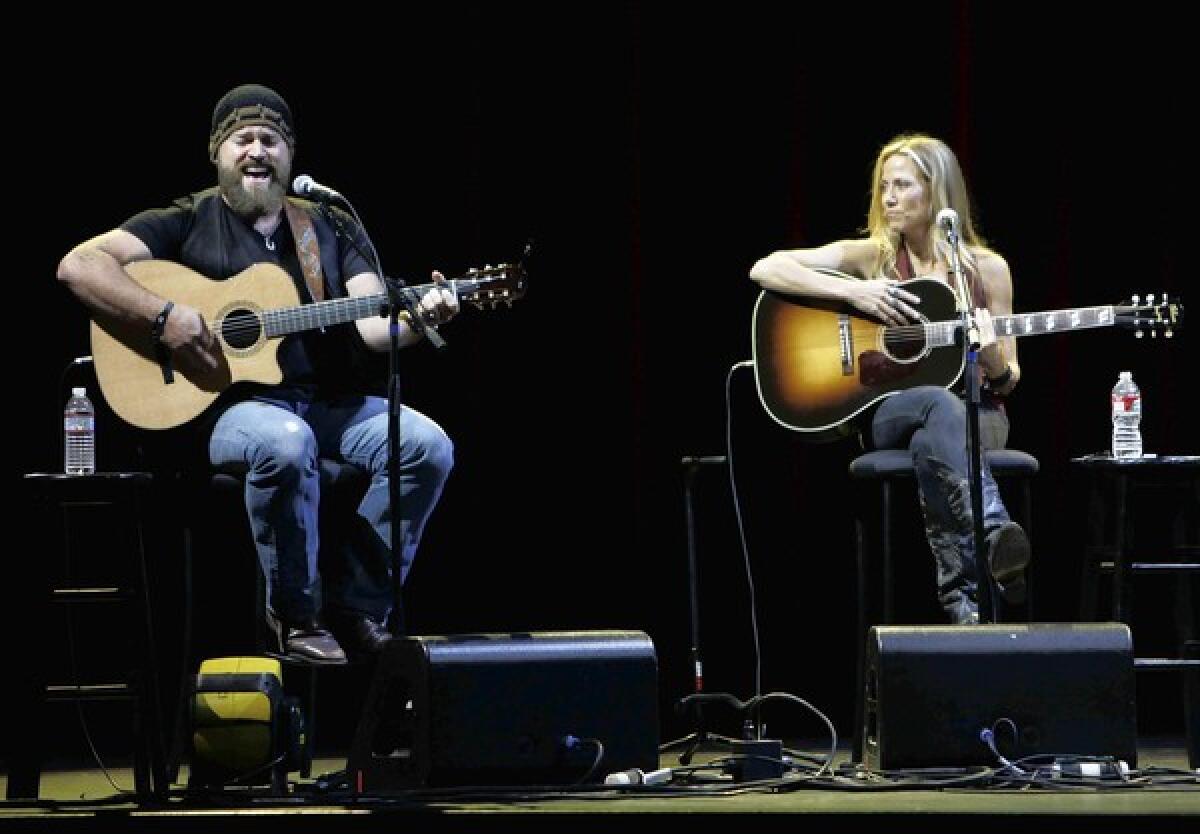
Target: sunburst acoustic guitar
(818, 366)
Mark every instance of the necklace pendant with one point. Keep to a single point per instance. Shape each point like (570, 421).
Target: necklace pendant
(270, 244)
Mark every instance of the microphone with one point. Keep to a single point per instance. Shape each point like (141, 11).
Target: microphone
(306, 186)
(947, 219)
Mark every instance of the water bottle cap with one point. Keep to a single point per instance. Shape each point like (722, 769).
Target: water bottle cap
(78, 392)
(1126, 375)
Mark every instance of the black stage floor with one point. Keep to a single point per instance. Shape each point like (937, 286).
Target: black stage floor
(1161, 792)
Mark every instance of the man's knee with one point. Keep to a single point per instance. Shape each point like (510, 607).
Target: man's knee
(438, 452)
(289, 449)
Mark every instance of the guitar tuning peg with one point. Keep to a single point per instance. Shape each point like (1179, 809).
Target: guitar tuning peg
(1136, 300)
(1150, 299)
(1137, 334)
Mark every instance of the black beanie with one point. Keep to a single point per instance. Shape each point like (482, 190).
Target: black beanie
(250, 104)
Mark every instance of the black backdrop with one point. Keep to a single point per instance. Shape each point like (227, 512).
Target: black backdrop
(653, 155)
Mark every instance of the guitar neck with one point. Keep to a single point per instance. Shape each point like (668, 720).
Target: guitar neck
(942, 333)
(287, 320)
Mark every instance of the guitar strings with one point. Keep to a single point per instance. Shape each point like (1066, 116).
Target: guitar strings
(907, 333)
(249, 322)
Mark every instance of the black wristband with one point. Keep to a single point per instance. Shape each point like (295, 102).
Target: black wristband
(160, 322)
(1002, 380)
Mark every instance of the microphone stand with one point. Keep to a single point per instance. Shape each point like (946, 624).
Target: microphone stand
(970, 340)
(400, 299)
(691, 468)
(755, 757)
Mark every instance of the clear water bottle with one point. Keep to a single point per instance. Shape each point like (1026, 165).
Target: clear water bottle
(79, 434)
(1126, 418)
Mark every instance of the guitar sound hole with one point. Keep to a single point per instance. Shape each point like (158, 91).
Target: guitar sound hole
(240, 329)
(906, 349)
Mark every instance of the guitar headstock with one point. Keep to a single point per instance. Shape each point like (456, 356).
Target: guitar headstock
(492, 286)
(1151, 316)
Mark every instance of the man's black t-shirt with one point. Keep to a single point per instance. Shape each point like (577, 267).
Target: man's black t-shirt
(201, 232)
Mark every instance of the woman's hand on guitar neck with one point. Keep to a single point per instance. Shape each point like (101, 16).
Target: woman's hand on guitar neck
(985, 328)
(991, 350)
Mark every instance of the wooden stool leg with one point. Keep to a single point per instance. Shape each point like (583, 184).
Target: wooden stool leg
(1089, 594)
(310, 723)
(1191, 702)
(860, 555)
(1122, 587)
(885, 549)
(1027, 526)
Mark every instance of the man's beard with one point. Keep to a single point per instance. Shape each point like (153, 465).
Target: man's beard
(252, 204)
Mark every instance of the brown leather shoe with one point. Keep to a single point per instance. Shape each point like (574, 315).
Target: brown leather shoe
(312, 643)
(362, 636)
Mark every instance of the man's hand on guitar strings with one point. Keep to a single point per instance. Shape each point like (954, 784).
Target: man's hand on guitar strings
(191, 342)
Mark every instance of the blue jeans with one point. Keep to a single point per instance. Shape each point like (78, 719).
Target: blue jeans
(275, 443)
(932, 423)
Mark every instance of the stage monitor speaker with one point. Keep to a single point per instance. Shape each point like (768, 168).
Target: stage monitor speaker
(1055, 688)
(507, 709)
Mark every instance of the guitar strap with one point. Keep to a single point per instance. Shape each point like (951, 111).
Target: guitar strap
(904, 269)
(307, 249)
(903, 264)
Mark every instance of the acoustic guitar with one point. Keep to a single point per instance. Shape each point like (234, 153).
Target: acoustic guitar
(249, 314)
(818, 366)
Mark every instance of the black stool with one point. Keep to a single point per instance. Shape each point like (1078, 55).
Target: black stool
(117, 502)
(1128, 500)
(219, 496)
(890, 468)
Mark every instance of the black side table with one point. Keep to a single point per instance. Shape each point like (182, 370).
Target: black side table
(106, 508)
(1127, 498)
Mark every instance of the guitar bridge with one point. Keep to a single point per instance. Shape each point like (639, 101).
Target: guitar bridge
(846, 343)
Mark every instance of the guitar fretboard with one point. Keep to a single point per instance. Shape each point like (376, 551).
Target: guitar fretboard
(322, 314)
(942, 333)
(287, 320)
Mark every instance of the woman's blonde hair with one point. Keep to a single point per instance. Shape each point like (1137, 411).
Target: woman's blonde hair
(937, 165)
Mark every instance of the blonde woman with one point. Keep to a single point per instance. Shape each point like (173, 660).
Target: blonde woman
(915, 178)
